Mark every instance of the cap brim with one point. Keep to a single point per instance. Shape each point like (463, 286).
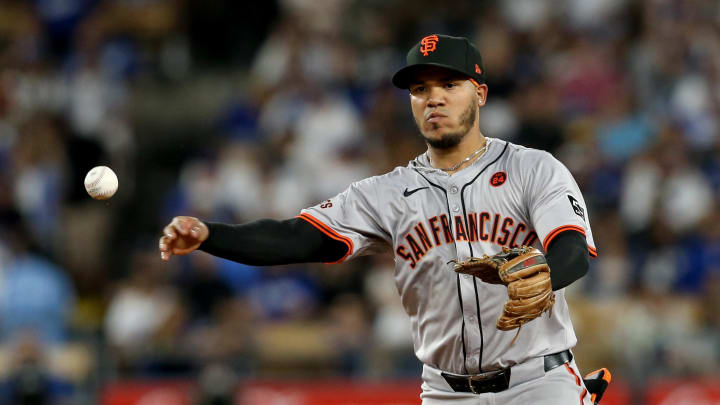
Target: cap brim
(403, 77)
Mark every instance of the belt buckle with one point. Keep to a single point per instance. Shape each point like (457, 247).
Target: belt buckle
(482, 377)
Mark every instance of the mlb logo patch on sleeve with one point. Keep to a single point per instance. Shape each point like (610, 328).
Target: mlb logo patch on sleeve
(579, 210)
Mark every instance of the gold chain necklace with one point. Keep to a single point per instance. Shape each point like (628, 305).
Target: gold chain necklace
(472, 155)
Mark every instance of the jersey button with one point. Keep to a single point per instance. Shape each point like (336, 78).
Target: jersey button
(473, 362)
(466, 275)
(456, 208)
(454, 189)
(471, 318)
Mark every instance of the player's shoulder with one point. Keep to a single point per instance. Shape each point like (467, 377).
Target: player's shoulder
(389, 179)
(525, 157)
(522, 152)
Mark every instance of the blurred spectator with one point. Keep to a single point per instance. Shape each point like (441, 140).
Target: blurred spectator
(702, 253)
(284, 293)
(36, 297)
(664, 183)
(611, 275)
(623, 133)
(393, 351)
(39, 169)
(349, 332)
(204, 289)
(227, 339)
(663, 258)
(645, 329)
(216, 386)
(29, 381)
(144, 315)
(711, 168)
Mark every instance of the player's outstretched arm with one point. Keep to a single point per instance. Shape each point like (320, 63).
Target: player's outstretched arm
(261, 243)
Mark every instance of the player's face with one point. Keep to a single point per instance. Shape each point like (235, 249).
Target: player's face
(445, 106)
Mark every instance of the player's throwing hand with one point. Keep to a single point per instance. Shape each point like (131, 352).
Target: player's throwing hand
(182, 236)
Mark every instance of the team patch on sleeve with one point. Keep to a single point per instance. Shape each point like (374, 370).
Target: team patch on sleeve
(579, 210)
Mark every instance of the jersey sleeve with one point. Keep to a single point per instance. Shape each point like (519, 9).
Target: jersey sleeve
(351, 217)
(555, 202)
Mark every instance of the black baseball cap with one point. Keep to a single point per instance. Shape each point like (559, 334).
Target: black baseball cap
(454, 53)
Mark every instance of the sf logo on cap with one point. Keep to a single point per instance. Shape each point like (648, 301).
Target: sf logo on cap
(428, 44)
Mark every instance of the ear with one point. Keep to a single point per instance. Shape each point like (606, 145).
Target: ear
(482, 91)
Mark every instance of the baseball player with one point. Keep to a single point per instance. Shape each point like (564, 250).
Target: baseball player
(467, 196)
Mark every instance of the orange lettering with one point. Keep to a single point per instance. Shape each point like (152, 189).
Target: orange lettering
(416, 249)
(484, 217)
(530, 239)
(495, 227)
(401, 251)
(446, 228)
(472, 227)
(428, 44)
(423, 236)
(504, 229)
(460, 233)
(435, 229)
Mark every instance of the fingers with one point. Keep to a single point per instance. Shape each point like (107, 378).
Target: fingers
(164, 247)
(166, 241)
(195, 231)
(170, 232)
(167, 247)
(182, 236)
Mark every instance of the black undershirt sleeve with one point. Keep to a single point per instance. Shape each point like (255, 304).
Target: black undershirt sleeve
(568, 259)
(268, 242)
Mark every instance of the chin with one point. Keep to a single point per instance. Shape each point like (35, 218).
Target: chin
(444, 140)
(436, 133)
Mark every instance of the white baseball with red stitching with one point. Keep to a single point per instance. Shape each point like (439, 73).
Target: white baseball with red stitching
(101, 182)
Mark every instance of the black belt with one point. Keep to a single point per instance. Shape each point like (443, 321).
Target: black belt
(498, 380)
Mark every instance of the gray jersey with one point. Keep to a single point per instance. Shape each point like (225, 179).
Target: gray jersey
(510, 196)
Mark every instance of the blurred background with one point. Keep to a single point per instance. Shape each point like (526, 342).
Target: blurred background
(233, 111)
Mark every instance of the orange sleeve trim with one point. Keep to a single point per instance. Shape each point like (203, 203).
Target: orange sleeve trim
(557, 231)
(331, 233)
(593, 251)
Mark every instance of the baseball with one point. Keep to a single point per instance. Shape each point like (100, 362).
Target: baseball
(101, 183)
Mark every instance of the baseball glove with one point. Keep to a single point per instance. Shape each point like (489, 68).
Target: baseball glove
(526, 274)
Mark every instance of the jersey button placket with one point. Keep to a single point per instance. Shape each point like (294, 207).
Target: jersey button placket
(473, 340)
(455, 198)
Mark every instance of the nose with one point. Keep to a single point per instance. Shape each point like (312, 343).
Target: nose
(436, 97)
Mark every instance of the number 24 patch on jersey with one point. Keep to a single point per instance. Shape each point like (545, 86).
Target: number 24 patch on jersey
(577, 207)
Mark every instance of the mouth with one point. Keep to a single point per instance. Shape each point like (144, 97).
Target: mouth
(435, 116)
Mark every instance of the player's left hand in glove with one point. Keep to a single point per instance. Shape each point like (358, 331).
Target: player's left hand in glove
(182, 236)
(526, 274)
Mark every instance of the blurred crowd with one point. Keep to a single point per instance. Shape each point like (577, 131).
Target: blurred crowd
(234, 113)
